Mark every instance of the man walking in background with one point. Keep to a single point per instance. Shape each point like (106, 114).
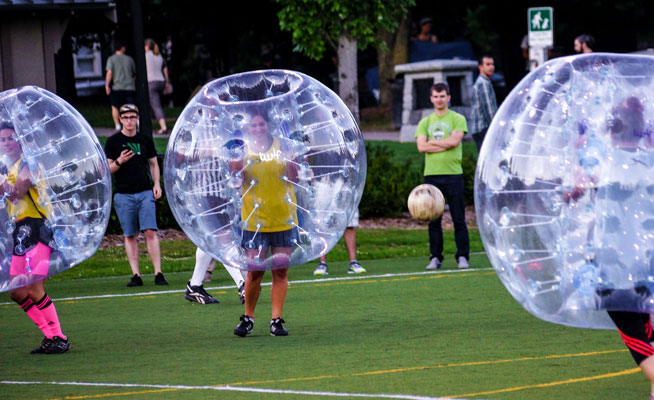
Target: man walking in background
(120, 81)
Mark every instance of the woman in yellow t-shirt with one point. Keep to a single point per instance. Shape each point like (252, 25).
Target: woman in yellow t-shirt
(268, 218)
(31, 251)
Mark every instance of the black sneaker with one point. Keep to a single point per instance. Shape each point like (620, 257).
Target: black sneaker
(43, 347)
(135, 281)
(241, 293)
(160, 280)
(197, 294)
(276, 327)
(58, 346)
(245, 327)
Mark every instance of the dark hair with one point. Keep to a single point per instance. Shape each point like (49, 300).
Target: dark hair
(480, 60)
(6, 125)
(254, 111)
(589, 40)
(628, 123)
(118, 45)
(425, 21)
(439, 87)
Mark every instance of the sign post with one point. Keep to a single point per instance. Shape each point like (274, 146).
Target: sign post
(540, 21)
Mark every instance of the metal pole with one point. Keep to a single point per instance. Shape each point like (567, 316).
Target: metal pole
(142, 96)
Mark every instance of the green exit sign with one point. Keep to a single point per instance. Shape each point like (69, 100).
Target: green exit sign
(541, 26)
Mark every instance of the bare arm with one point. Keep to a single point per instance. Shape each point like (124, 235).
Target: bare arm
(124, 156)
(20, 188)
(165, 74)
(154, 171)
(107, 82)
(438, 145)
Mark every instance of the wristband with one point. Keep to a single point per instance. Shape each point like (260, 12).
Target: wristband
(117, 163)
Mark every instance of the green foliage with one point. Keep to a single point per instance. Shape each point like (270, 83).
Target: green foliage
(317, 22)
(478, 29)
(388, 183)
(394, 169)
(468, 163)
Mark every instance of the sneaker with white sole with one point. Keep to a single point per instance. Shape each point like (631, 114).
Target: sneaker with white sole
(463, 263)
(356, 268)
(321, 269)
(197, 294)
(434, 263)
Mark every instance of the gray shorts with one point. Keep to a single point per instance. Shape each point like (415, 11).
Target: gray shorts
(136, 210)
(263, 240)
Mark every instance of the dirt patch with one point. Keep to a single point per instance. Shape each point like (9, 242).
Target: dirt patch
(403, 221)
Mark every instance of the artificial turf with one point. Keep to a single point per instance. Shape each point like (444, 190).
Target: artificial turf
(450, 333)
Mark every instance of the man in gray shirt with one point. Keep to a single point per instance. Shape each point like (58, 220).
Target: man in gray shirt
(120, 83)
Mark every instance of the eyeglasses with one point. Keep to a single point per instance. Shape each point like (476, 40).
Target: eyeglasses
(130, 117)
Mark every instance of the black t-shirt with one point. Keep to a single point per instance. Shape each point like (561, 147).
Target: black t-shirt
(133, 176)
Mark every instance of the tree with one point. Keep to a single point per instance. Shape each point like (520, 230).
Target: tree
(397, 52)
(344, 25)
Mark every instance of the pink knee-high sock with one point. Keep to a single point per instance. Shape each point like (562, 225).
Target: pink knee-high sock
(50, 313)
(35, 315)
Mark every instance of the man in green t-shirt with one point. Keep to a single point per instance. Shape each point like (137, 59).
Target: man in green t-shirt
(439, 136)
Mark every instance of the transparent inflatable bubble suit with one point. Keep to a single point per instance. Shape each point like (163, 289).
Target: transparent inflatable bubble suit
(261, 155)
(564, 189)
(70, 184)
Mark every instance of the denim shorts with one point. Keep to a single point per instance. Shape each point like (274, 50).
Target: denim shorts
(136, 210)
(263, 240)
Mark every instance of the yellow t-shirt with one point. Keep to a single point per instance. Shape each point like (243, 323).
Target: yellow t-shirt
(269, 191)
(24, 207)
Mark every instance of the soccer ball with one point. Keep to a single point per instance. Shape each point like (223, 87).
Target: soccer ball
(426, 202)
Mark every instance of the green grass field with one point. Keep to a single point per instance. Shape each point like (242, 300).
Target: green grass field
(397, 331)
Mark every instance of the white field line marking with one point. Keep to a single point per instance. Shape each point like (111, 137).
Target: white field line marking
(344, 278)
(230, 389)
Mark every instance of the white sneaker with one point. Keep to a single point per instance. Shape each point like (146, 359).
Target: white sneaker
(463, 263)
(321, 269)
(435, 263)
(356, 268)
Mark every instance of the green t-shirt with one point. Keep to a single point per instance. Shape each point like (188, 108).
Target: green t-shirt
(446, 162)
(122, 72)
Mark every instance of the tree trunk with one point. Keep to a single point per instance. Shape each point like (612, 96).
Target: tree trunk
(398, 53)
(348, 84)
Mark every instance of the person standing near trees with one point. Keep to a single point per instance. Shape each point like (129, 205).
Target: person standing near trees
(439, 136)
(158, 81)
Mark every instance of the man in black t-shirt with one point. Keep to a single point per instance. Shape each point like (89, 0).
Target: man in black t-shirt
(130, 156)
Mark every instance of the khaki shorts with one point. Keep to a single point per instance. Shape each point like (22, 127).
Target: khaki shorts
(354, 221)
